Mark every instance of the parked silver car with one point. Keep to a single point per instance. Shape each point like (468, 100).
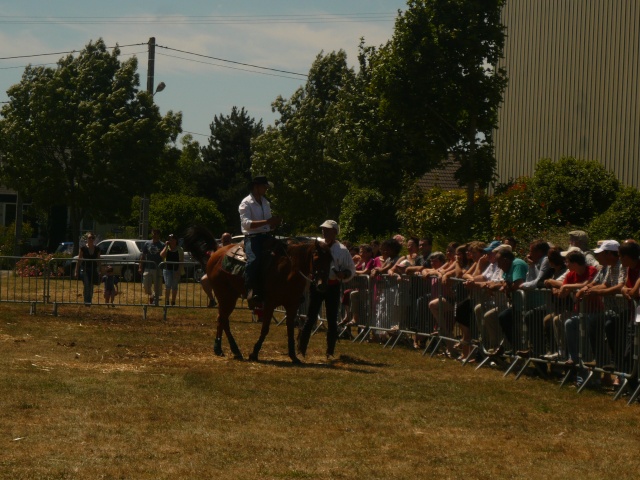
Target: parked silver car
(124, 255)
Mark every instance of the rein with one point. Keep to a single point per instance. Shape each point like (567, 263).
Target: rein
(311, 280)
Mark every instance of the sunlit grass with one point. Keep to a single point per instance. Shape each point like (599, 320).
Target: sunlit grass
(101, 393)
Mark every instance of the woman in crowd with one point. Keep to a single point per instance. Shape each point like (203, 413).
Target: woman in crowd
(88, 256)
(173, 255)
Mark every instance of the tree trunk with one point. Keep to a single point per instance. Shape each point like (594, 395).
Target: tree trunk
(471, 182)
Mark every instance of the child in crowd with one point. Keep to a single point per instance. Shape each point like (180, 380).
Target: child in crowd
(110, 286)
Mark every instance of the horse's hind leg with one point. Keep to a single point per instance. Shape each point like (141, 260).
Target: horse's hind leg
(217, 343)
(224, 312)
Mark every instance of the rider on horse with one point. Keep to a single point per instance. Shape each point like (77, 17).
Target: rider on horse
(256, 223)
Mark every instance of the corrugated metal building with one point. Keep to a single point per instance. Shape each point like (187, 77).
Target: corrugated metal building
(573, 68)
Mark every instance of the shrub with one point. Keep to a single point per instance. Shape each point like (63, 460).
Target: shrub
(33, 264)
(621, 220)
(443, 214)
(366, 213)
(175, 213)
(573, 190)
(516, 213)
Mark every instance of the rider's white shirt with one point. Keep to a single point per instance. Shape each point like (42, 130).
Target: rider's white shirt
(250, 211)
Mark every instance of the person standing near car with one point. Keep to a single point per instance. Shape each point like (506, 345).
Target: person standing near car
(256, 223)
(89, 254)
(342, 270)
(173, 255)
(149, 261)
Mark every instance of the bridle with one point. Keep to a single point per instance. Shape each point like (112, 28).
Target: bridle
(316, 274)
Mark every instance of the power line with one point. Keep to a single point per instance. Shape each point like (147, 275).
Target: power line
(63, 53)
(232, 61)
(201, 20)
(54, 63)
(194, 133)
(225, 66)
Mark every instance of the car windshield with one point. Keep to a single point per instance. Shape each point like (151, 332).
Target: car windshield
(104, 246)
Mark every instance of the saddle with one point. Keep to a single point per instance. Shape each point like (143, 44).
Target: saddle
(235, 261)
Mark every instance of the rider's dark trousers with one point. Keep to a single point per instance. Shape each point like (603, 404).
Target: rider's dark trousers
(253, 247)
(331, 299)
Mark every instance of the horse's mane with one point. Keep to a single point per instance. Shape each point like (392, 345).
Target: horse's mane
(200, 242)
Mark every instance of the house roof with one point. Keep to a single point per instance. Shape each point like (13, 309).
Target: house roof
(443, 178)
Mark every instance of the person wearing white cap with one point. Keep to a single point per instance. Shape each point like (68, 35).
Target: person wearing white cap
(607, 284)
(256, 223)
(342, 270)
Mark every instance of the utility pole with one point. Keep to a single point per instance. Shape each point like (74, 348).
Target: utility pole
(151, 64)
(144, 203)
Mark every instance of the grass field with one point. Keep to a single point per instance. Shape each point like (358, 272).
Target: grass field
(101, 393)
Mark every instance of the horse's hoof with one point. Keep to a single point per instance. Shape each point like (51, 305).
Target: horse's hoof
(238, 356)
(217, 347)
(253, 357)
(296, 361)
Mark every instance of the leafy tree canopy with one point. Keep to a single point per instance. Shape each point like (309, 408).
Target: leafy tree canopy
(310, 182)
(226, 168)
(438, 80)
(83, 135)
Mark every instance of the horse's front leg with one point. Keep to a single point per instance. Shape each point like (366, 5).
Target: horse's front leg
(237, 354)
(267, 314)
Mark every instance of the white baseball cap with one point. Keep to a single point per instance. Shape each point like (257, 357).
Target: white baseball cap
(607, 245)
(331, 224)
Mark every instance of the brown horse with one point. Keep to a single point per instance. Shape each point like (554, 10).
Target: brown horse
(285, 277)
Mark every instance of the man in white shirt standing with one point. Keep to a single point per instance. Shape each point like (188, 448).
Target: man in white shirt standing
(256, 223)
(342, 270)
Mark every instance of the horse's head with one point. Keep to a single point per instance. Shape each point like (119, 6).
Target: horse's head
(321, 265)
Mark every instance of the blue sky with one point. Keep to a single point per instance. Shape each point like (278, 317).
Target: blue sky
(280, 34)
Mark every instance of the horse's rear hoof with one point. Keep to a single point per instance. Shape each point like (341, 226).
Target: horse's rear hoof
(238, 356)
(295, 360)
(219, 353)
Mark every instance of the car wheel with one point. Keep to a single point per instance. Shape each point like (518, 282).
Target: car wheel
(128, 274)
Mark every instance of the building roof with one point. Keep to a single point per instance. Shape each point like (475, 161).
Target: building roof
(443, 178)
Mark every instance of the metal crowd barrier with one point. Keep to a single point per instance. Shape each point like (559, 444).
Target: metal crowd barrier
(594, 337)
(36, 281)
(23, 280)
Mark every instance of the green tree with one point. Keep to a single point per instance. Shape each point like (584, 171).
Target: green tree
(574, 190)
(310, 182)
(226, 167)
(438, 80)
(83, 135)
(180, 168)
(369, 146)
(175, 213)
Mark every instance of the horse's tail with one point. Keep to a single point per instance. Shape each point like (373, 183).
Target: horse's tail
(200, 242)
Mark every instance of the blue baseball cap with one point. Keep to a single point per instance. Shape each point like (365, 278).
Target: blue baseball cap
(492, 246)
